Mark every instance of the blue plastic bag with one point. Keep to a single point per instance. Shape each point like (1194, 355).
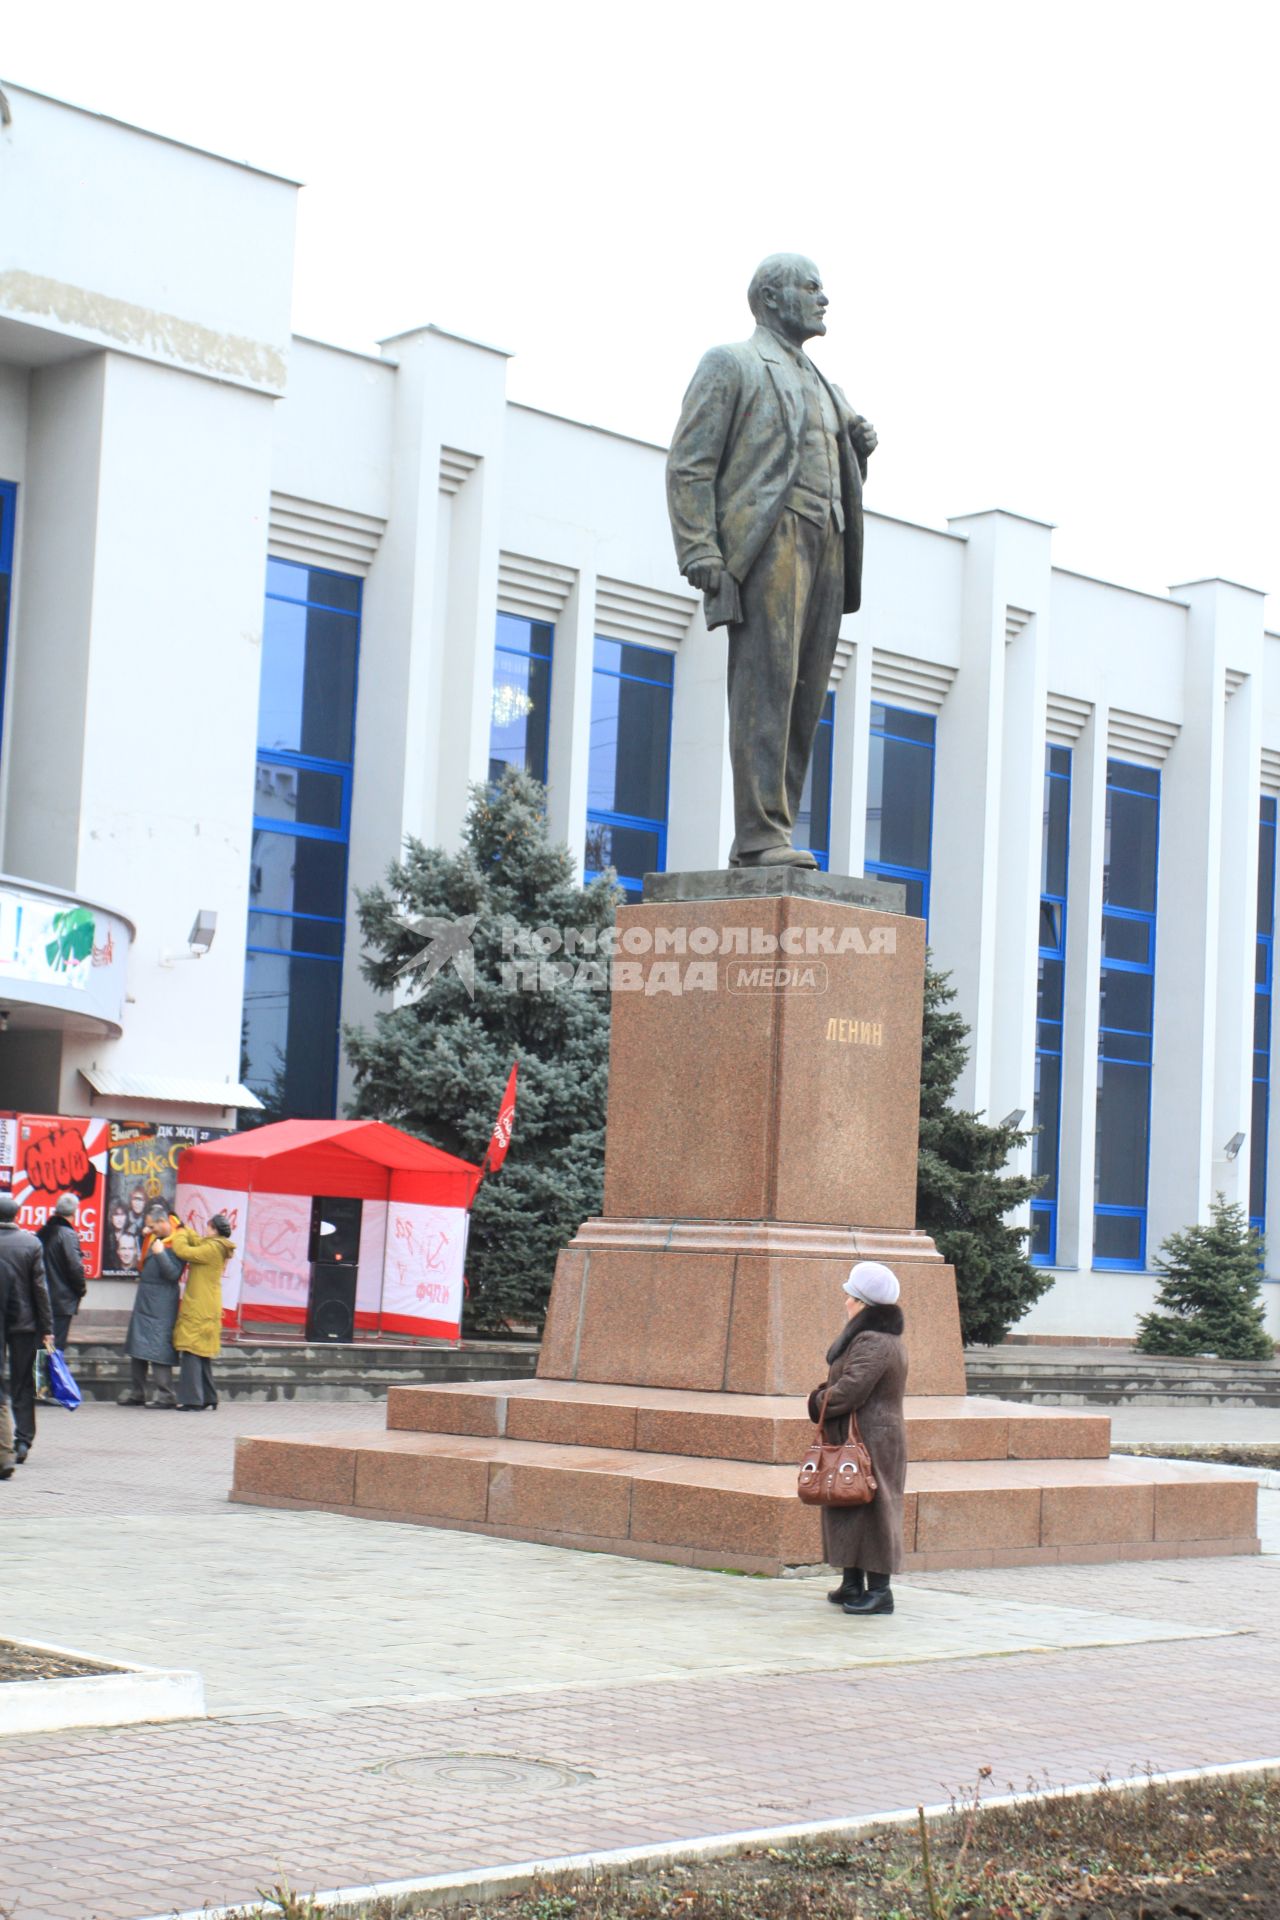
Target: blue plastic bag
(62, 1384)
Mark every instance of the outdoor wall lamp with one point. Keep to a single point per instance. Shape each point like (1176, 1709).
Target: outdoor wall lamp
(199, 940)
(1014, 1119)
(1234, 1145)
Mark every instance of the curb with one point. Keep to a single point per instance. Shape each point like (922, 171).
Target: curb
(496, 1883)
(1268, 1478)
(128, 1696)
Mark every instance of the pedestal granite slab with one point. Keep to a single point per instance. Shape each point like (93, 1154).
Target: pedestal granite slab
(765, 1064)
(761, 1138)
(759, 883)
(735, 1306)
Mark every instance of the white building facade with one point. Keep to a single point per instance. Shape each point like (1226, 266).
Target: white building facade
(269, 606)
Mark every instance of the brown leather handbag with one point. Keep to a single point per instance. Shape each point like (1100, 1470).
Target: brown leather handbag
(832, 1476)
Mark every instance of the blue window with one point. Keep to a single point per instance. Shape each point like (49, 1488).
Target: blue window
(8, 513)
(301, 827)
(1054, 847)
(521, 697)
(1262, 1014)
(1126, 1018)
(813, 819)
(900, 801)
(630, 761)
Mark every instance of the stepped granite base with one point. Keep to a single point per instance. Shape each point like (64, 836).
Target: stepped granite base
(708, 1479)
(752, 1113)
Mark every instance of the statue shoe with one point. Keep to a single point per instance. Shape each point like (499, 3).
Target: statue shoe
(778, 857)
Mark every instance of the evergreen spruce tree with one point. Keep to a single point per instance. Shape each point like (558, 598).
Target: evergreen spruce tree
(962, 1193)
(438, 1065)
(1211, 1294)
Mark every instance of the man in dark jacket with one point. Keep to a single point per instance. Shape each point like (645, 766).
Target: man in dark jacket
(32, 1327)
(63, 1266)
(21, 1267)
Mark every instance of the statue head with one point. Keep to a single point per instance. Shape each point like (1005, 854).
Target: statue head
(786, 296)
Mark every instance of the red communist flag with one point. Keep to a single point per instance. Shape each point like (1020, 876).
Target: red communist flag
(501, 1136)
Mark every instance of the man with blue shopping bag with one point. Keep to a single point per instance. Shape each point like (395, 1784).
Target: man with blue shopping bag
(30, 1332)
(63, 1266)
(21, 1271)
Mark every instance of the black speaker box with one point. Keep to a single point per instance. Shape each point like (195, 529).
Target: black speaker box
(331, 1304)
(339, 1243)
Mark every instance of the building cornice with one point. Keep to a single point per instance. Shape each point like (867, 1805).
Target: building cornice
(1218, 580)
(447, 333)
(1116, 586)
(14, 87)
(353, 353)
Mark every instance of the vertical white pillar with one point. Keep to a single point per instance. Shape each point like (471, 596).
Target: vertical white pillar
(177, 468)
(1237, 929)
(849, 757)
(465, 407)
(462, 680)
(1208, 868)
(402, 601)
(1271, 1148)
(1080, 1008)
(1007, 567)
(700, 803)
(50, 626)
(427, 631)
(1021, 824)
(570, 737)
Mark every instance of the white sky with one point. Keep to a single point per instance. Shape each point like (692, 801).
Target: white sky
(1049, 230)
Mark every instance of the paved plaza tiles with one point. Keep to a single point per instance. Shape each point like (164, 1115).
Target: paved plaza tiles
(632, 1703)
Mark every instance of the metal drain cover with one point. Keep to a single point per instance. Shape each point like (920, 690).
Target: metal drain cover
(484, 1772)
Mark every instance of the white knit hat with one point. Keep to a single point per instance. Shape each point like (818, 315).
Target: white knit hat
(874, 1283)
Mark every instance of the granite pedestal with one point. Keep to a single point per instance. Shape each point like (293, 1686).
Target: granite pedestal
(762, 1136)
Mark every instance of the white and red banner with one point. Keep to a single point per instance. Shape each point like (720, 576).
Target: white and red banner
(195, 1207)
(422, 1272)
(373, 1251)
(277, 1270)
(409, 1273)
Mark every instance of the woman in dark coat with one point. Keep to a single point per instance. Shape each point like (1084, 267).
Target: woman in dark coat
(868, 1376)
(149, 1341)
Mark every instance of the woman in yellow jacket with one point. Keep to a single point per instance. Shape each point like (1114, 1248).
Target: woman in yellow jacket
(197, 1332)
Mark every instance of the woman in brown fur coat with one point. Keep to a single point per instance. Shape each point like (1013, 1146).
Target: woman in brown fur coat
(868, 1376)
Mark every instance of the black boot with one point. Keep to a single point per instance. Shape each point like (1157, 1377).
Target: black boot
(850, 1586)
(878, 1597)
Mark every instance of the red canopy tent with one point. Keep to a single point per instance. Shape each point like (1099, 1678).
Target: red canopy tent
(412, 1220)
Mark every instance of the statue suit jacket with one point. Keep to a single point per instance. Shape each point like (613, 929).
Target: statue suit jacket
(736, 454)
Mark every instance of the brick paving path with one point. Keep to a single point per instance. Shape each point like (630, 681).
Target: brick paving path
(135, 1822)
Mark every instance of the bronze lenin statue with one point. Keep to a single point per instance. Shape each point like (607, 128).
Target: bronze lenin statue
(764, 489)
